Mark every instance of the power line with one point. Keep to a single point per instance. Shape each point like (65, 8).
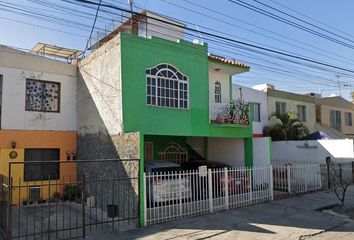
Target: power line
(350, 61)
(301, 20)
(288, 22)
(225, 38)
(93, 26)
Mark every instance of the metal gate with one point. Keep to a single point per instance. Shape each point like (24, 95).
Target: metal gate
(100, 195)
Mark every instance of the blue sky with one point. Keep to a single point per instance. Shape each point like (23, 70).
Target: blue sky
(227, 18)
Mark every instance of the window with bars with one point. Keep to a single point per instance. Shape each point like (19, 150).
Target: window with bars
(217, 90)
(41, 164)
(42, 96)
(166, 87)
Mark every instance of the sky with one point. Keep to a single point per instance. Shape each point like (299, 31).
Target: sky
(26, 22)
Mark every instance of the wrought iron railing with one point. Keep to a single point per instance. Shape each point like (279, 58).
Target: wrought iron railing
(236, 112)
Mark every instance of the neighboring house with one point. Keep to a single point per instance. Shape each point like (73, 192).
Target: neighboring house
(337, 113)
(280, 102)
(38, 118)
(158, 99)
(258, 103)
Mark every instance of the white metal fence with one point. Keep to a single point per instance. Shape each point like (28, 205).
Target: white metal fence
(174, 195)
(297, 178)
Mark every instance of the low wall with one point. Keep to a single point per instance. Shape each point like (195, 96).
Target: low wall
(314, 151)
(261, 151)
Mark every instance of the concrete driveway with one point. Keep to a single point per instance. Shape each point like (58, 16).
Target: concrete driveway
(293, 218)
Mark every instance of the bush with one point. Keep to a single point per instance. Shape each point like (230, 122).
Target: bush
(72, 193)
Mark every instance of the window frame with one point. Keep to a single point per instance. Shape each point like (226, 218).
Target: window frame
(148, 146)
(348, 119)
(177, 78)
(301, 109)
(44, 82)
(253, 111)
(280, 106)
(217, 92)
(337, 124)
(27, 165)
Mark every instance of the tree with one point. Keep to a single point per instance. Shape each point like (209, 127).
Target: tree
(352, 95)
(338, 181)
(286, 127)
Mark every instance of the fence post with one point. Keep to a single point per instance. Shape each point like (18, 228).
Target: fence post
(328, 161)
(83, 206)
(48, 207)
(180, 194)
(226, 177)
(288, 172)
(250, 183)
(9, 203)
(210, 191)
(145, 201)
(271, 182)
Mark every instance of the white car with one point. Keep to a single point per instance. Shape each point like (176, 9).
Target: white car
(163, 184)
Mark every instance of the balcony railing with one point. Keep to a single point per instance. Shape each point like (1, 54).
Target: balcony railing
(236, 112)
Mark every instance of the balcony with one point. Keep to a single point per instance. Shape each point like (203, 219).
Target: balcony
(232, 114)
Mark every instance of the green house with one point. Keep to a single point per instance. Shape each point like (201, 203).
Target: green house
(145, 93)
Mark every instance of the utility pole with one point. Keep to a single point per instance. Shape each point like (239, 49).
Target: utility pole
(340, 91)
(131, 2)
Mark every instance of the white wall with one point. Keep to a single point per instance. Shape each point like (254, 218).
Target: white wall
(261, 151)
(164, 30)
(15, 117)
(254, 96)
(99, 93)
(316, 152)
(224, 80)
(227, 150)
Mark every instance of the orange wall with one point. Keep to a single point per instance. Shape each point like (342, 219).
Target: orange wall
(65, 141)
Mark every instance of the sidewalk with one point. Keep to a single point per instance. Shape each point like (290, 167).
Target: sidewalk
(292, 218)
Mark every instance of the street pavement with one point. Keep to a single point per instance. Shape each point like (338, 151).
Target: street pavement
(293, 218)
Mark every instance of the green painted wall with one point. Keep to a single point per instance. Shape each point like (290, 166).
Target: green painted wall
(138, 54)
(161, 142)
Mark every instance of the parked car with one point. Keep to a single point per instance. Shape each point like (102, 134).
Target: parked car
(163, 184)
(237, 180)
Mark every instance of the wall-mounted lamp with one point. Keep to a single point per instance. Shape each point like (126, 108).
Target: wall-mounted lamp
(13, 144)
(68, 155)
(71, 155)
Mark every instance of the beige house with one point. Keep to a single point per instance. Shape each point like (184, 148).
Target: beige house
(337, 113)
(302, 106)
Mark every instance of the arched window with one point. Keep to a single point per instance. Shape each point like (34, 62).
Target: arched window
(174, 153)
(166, 87)
(217, 92)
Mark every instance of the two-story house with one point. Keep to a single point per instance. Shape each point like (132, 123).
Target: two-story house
(38, 119)
(280, 102)
(146, 97)
(336, 113)
(258, 104)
